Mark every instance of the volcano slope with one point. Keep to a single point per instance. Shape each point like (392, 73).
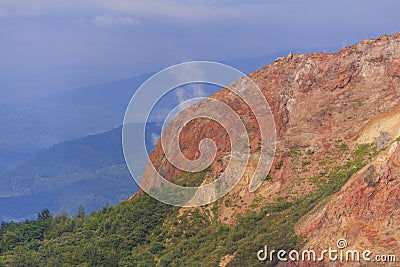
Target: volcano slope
(335, 175)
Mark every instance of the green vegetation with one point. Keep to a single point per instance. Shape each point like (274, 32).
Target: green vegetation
(145, 232)
(294, 153)
(305, 163)
(191, 179)
(105, 238)
(279, 165)
(343, 147)
(310, 152)
(267, 178)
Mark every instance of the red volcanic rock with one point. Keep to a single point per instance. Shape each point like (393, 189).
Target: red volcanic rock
(351, 96)
(366, 211)
(315, 99)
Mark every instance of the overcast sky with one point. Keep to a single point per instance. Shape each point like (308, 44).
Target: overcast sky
(52, 45)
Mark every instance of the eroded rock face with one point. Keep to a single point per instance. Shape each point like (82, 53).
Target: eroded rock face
(318, 100)
(366, 211)
(315, 99)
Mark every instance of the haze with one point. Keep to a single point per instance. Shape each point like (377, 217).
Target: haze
(49, 46)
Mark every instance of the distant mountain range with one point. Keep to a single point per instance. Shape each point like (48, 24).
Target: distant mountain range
(64, 116)
(90, 171)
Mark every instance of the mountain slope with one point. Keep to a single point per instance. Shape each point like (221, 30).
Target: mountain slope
(335, 148)
(365, 211)
(323, 105)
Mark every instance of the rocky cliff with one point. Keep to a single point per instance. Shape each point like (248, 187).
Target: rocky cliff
(325, 107)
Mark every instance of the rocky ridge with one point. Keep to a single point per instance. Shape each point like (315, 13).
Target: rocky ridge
(324, 106)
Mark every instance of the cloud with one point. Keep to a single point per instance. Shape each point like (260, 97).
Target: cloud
(194, 10)
(181, 95)
(185, 94)
(107, 20)
(154, 138)
(173, 9)
(176, 9)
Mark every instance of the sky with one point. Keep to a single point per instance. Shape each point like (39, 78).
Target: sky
(48, 46)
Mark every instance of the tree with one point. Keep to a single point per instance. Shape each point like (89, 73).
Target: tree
(81, 212)
(44, 214)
